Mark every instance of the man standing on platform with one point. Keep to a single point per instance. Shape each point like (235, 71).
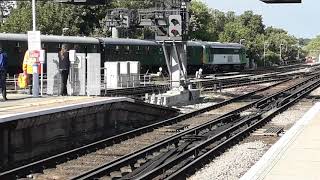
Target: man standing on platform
(3, 73)
(64, 67)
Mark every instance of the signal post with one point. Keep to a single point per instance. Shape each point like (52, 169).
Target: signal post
(170, 21)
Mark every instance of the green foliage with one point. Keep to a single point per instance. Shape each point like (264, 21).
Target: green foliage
(201, 23)
(206, 25)
(277, 38)
(53, 17)
(252, 21)
(133, 4)
(213, 25)
(313, 47)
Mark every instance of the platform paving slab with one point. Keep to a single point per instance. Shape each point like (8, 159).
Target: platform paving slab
(24, 105)
(295, 156)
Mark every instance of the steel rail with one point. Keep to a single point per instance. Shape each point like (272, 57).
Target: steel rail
(243, 81)
(206, 157)
(39, 165)
(115, 165)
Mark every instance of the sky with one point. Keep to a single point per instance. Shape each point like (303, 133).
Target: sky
(300, 20)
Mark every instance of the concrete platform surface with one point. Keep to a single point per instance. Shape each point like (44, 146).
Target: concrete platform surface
(24, 105)
(295, 156)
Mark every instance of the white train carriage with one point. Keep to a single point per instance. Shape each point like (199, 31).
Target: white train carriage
(227, 56)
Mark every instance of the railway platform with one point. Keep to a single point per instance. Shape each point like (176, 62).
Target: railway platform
(295, 155)
(22, 104)
(34, 127)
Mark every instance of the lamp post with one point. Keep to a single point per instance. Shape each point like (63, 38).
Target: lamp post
(265, 45)
(298, 50)
(34, 15)
(280, 53)
(298, 45)
(281, 50)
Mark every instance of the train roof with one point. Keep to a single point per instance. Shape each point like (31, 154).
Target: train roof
(78, 39)
(110, 41)
(196, 43)
(50, 38)
(123, 41)
(218, 45)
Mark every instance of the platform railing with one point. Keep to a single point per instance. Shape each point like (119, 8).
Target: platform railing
(12, 81)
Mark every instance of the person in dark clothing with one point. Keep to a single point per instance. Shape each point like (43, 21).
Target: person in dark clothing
(64, 67)
(3, 72)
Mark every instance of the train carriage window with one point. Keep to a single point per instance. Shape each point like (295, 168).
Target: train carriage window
(212, 51)
(160, 51)
(147, 49)
(139, 50)
(224, 51)
(189, 52)
(117, 50)
(127, 50)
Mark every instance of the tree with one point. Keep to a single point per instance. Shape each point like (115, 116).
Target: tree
(53, 17)
(201, 23)
(133, 4)
(277, 38)
(206, 25)
(252, 21)
(313, 47)
(230, 16)
(247, 26)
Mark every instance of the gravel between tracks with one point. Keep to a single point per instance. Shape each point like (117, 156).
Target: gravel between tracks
(87, 162)
(242, 156)
(239, 159)
(212, 98)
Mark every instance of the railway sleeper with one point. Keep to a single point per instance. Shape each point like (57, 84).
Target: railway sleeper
(115, 175)
(175, 147)
(149, 165)
(192, 137)
(255, 122)
(126, 169)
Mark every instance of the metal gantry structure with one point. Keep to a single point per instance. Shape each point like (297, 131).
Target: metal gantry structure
(169, 19)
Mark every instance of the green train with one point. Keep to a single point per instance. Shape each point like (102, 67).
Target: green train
(210, 56)
(215, 56)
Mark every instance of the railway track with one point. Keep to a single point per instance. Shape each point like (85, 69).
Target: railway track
(213, 84)
(179, 155)
(207, 84)
(71, 163)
